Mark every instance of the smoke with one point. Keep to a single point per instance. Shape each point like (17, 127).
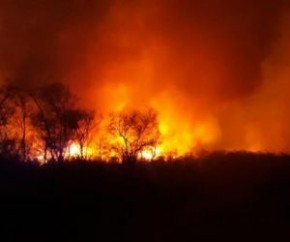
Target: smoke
(263, 117)
(34, 45)
(216, 71)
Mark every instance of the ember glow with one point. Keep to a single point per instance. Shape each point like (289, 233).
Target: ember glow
(215, 72)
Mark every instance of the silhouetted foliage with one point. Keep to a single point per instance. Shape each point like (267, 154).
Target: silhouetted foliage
(45, 118)
(57, 118)
(134, 131)
(7, 109)
(86, 124)
(24, 109)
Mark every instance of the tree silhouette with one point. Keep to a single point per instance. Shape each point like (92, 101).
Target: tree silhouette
(24, 108)
(56, 119)
(86, 124)
(133, 131)
(7, 110)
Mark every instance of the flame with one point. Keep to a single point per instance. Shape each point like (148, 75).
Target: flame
(150, 153)
(74, 150)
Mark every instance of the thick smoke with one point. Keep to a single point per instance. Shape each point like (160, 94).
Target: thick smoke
(215, 69)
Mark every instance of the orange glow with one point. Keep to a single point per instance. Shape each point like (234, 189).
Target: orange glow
(149, 154)
(211, 89)
(74, 150)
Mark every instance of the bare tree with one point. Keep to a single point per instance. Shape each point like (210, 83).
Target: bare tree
(57, 118)
(22, 102)
(7, 110)
(86, 124)
(134, 131)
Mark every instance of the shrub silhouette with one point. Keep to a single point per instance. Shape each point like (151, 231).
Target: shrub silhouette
(134, 131)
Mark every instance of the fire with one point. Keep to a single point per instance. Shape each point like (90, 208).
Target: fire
(74, 150)
(147, 155)
(150, 154)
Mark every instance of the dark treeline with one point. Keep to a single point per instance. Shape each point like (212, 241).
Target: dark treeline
(219, 197)
(40, 124)
(41, 121)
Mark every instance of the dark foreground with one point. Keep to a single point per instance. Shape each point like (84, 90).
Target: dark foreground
(234, 197)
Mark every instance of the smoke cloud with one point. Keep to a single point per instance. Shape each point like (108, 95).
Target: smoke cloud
(217, 72)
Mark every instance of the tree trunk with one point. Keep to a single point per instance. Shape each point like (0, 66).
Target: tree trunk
(129, 160)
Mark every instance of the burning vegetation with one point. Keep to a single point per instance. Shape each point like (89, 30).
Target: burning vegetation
(47, 124)
(153, 78)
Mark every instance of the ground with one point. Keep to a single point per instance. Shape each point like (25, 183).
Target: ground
(220, 197)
